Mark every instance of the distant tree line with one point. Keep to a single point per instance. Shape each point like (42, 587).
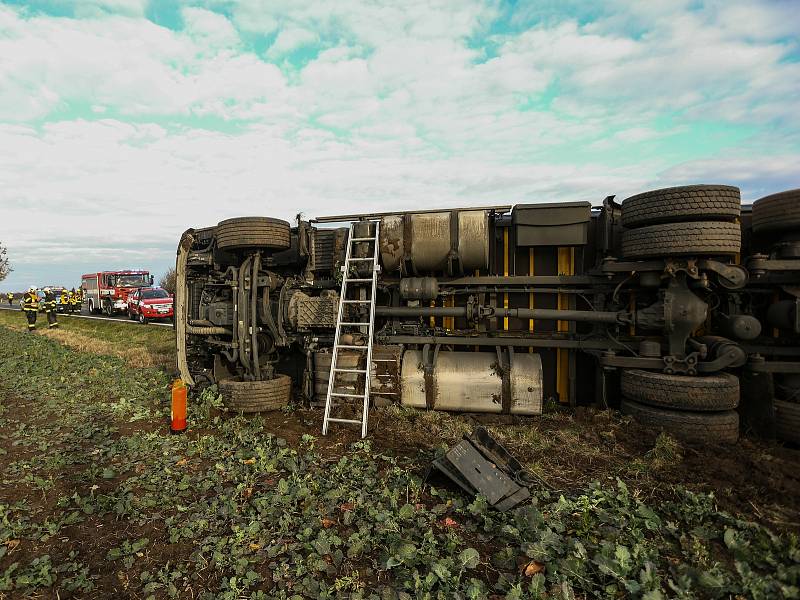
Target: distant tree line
(167, 281)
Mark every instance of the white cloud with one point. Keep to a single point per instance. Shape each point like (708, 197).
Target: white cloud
(291, 39)
(117, 128)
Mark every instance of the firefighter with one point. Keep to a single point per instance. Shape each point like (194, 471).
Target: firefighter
(50, 308)
(64, 307)
(73, 300)
(10, 298)
(30, 304)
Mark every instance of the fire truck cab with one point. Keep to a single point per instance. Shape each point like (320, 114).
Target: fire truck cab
(107, 291)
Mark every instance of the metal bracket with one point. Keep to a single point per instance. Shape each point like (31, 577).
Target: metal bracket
(760, 264)
(428, 366)
(731, 277)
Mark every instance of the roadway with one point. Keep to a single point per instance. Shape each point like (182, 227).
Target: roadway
(123, 318)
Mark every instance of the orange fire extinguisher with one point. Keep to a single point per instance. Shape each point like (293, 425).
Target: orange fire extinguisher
(178, 416)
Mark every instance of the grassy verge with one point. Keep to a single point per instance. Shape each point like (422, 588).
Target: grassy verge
(98, 501)
(138, 346)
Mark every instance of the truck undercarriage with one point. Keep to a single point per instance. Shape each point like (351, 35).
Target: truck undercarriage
(675, 303)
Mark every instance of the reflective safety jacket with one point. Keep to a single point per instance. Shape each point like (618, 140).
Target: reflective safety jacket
(30, 302)
(49, 302)
(64, 297)
(10, 296)
(73, 298)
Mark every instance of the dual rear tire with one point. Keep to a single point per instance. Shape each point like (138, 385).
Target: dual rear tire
(693, 220)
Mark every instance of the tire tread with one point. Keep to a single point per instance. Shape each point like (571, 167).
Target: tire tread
(680, 204)
(256, 396)
(777, 212)
(787, 421)
(699, 238)
(248, 232)
(700, 427)
(716, 392)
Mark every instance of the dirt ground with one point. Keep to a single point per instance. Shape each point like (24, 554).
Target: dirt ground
(98, 501)
(567, 449)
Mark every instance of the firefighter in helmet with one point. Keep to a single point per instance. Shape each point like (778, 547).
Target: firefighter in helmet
(64, 300)
(73, 300)
(30, 304)
(10, 298)
(50, 308)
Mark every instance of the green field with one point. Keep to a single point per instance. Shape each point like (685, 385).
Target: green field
(139, 345)
(98, 500)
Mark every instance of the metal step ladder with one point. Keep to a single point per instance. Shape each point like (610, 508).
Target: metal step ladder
(350, 283)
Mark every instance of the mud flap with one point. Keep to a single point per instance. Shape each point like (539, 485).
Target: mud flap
(480, 465)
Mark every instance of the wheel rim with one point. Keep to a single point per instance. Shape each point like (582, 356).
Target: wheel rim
(141, 318)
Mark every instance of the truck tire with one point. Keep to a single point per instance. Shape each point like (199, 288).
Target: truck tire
(697, 427)
(680, 204)
(787, 421)
(700, 238)
(256, 396)
(681, 392)
(777, 212)
(253, 232)
(346, 382)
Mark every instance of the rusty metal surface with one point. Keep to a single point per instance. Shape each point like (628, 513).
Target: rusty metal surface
(391, 242)
(473, 239)
(346, 382)
(427, 240)
(430, 241)
(385, 375)
(473, 382)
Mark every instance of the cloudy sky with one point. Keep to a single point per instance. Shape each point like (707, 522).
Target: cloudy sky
(123, 122)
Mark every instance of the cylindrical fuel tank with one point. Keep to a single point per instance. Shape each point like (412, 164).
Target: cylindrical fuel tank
(473, 382)
(442, 242)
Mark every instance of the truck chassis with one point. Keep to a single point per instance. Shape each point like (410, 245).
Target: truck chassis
(674, 305)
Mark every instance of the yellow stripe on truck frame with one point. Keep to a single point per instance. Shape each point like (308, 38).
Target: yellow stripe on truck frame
(566, 266)
(505, 274)
(530, 294)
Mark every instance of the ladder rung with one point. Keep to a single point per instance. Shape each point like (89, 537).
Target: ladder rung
(357, 278)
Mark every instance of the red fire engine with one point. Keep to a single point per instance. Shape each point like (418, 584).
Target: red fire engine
(107, 291)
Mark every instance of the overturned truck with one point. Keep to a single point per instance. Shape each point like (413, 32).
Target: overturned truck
(674, 305)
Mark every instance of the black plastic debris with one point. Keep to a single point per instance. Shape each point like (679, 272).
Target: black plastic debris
(480, 464)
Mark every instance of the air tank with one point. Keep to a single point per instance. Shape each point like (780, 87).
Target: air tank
(451, 242)
(473, 382)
